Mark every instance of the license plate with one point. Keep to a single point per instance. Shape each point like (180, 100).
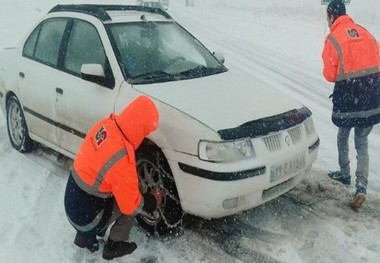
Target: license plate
(289, 167)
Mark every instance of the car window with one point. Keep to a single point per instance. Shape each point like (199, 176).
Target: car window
(30, 43)
(49, 41)
(84, 47)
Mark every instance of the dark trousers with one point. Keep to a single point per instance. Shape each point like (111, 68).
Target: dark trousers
(92, 215)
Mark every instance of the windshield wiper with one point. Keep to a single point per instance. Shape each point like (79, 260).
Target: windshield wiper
(153, 76)
(200, 71)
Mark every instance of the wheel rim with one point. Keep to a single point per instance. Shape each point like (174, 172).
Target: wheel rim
(151, 178)
(15, 120)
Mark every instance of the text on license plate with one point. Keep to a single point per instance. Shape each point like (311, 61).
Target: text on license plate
(286, 168)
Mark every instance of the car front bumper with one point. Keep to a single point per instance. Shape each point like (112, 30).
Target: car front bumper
(226, 189)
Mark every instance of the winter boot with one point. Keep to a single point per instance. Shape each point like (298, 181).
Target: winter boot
(85, 241)
(338, 176)
(114, 249)
(359, 198)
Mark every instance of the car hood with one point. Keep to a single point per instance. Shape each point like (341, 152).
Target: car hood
(222, 101)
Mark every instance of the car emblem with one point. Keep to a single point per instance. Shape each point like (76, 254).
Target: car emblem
(288, 140)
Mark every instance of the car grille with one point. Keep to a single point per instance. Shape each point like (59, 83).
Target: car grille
(273, 142)
(296, 134)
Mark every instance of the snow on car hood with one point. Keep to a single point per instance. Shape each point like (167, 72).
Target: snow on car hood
(222, 101)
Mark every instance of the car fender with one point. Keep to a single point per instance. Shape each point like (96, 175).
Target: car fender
(169, 137)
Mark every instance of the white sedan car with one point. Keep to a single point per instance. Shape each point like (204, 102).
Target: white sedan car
(225, 142)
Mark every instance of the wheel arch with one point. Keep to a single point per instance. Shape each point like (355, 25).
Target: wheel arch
(8, 95)
(172, 213)
(23, 144)
(149, 145)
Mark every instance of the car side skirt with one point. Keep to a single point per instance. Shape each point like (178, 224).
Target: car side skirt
(57, 124)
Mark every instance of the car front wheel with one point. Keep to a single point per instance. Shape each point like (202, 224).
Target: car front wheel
(17, 128)
(154, 173)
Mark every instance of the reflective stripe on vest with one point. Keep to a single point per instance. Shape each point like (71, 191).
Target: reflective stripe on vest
(355, 74)
(94, 188)
(359, 114)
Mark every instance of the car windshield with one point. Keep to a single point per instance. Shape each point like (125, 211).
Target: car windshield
(161, 51)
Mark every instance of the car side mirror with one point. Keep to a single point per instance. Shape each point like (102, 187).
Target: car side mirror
(93, 73)
(219, 56)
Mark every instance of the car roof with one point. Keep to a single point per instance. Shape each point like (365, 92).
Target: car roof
(116, 13)
(152, 2)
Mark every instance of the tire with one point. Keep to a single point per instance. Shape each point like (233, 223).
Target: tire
(154, 172)
(17, 128)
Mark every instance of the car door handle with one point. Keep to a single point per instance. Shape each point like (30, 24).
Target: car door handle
(21, 74)
(59, 90)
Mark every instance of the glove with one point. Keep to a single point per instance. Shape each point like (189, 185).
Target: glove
(158, 195)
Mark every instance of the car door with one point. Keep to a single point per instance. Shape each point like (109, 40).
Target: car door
(38, 74)
(81, 103)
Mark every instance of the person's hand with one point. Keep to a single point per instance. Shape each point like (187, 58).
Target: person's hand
(158, 194)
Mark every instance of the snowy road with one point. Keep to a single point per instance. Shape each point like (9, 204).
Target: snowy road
(300, 226)
(311, 223)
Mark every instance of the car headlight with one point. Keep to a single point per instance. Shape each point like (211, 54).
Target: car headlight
(309, 126)
(226, 151)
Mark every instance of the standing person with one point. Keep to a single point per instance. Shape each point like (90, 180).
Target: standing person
(103, 186)
(351, 60)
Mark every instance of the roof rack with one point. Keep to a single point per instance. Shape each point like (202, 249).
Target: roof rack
(100, 11)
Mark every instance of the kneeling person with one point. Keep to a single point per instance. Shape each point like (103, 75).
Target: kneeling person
(103, 186)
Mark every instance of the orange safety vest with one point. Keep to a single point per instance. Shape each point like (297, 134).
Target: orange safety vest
(105, 165)
(350, 51)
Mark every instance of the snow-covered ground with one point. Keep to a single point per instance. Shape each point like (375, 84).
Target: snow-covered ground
(279, 42)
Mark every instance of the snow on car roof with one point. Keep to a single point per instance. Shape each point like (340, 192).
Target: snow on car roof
(133, 16)
(115, 13)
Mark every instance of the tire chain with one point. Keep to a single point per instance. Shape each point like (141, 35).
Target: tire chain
(164, 173)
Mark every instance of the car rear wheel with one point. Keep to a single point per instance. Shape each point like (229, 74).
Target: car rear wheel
(154, 173)
(17, 128)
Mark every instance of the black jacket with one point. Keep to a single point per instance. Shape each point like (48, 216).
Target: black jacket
(356, 101)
